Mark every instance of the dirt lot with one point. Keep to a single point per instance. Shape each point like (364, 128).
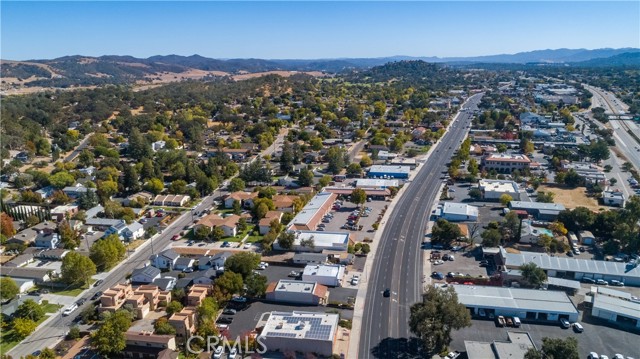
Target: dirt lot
(572, 197)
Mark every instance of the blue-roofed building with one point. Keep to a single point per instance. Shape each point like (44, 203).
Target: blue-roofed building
(300, 332)
(381, 171)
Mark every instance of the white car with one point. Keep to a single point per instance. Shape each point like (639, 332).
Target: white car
(593, 355)
(217, 354)
(355, 280)
(70, 309)
(438, 262)
(233, 353)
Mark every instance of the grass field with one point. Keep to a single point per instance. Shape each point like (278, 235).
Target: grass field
(68, 292)
(572, 197)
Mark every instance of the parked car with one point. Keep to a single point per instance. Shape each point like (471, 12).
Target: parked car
(509, 321)
(500, 321)
(355, 280)
(588, 280)
(81, 301)
(225, 244)
(98, 282)
(386, 293)
(293, 274)
(217, 354)
(233, 353)
(578, 328)
(564, 323)
(516, 322)
(175, 237)
(593, 355)
(438, 262)
(229, 311)
(239, 299)
(616, 283)
(97, 295)
(437, 275)
(188, 270)
(484, 263)
(225, 320)
(602, 282)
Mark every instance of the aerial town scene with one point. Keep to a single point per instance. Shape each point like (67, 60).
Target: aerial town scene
(301, 180)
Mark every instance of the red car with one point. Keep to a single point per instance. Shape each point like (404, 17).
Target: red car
(159, 214)
(175, 237)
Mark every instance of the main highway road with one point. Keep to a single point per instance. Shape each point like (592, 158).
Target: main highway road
(398, 264)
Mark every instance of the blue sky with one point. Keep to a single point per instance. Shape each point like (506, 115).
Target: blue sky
(36, 30)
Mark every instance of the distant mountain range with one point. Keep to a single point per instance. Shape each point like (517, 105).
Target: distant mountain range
(85, 70)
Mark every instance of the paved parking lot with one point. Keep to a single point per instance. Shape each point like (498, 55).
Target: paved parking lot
(597, 338)
(465, 263)
(340, 218)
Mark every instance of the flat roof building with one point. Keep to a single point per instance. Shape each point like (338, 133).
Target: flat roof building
(456, 212)
(515, 347)
(376, 183)
(304, 332)
(576, 269)
(505, 163)
(326, 274)
(381, 171)
(299, 292)
(542, 211)
(311, 215)
(527, 304)
(623, 312)
(493, 189)
(335, 241)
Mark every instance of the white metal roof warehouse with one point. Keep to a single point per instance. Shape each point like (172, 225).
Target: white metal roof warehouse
(528, 304)
(576, 268)
(617, 310)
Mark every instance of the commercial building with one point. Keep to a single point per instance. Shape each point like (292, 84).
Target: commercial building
(527, 304)
(456, 212)
(505, 163)
(576, 269)
(381, 171)
(613, 198)
(590, 172)
(616, 310)
(298, 292)
(311, 215)
(309, 258)
(334, 241)
(515, 347)
(493, 189)
(541, 211)
(148, 345)
(326, 274)
(301, 332)
(376, 183)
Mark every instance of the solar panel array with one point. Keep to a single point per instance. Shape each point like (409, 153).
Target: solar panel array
(282, 335)
(316, 330)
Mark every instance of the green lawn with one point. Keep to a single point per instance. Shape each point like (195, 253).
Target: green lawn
(240, 235)
(7, 337)
(254, 239)
(68, 292)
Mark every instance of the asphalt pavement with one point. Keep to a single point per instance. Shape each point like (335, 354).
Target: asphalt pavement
(397, 266)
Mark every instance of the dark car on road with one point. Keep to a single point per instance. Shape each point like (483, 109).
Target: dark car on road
(81, 301)
(96, 295)
(225, 320)
(98, 282)
(386, 293)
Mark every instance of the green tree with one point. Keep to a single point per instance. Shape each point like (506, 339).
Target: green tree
(139, 147)
(256, 285)
(475, 193)
(22, 327)
(59, 197)
(354, 170)
(154, 185)
(86, 158)
(491, 237)
(107, 252)
(47, 353)
(433, 319)
(178, 187)
(62, 179)
(217, 233)
(77, 269)
(324, 181)
(109, 339)
(336, 159)
(74, 333)
(445, 232)
(228, 284)
(174, 307)
(505, 199)
(236, 184)
(29, 309)
(545, 197)
(501, 147)
(533, 274)
(69, 237)
(472, 167)
(358, 196)
(286, 240)
(8, 288)
(88, 200)
(243, 263)
(286, 158)
(365, 161)
(555, 348)
(162, 327)
(527, 146)
(208, 309)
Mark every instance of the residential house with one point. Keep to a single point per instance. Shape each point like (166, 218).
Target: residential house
(133, 231)
(418, 132)
(228, 224)
(88, 171)
(245, 199)
(184, 323)
(47, 240)
(183, 263)
(146, 274)
(197, 293)
(216, 261)
(165, 259)
(76, 191)
(118, 229)
(28, 236)
(265, 223)
(165, 283)
(172, 200)
(19, 261)
(145, 197)
(613, 198)
(101, 224)
(158, 145)
(46, 192)
(52, 254)
(284, 202)
(205, 277)
(143, 345)
(38, 275)
(236, 154)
